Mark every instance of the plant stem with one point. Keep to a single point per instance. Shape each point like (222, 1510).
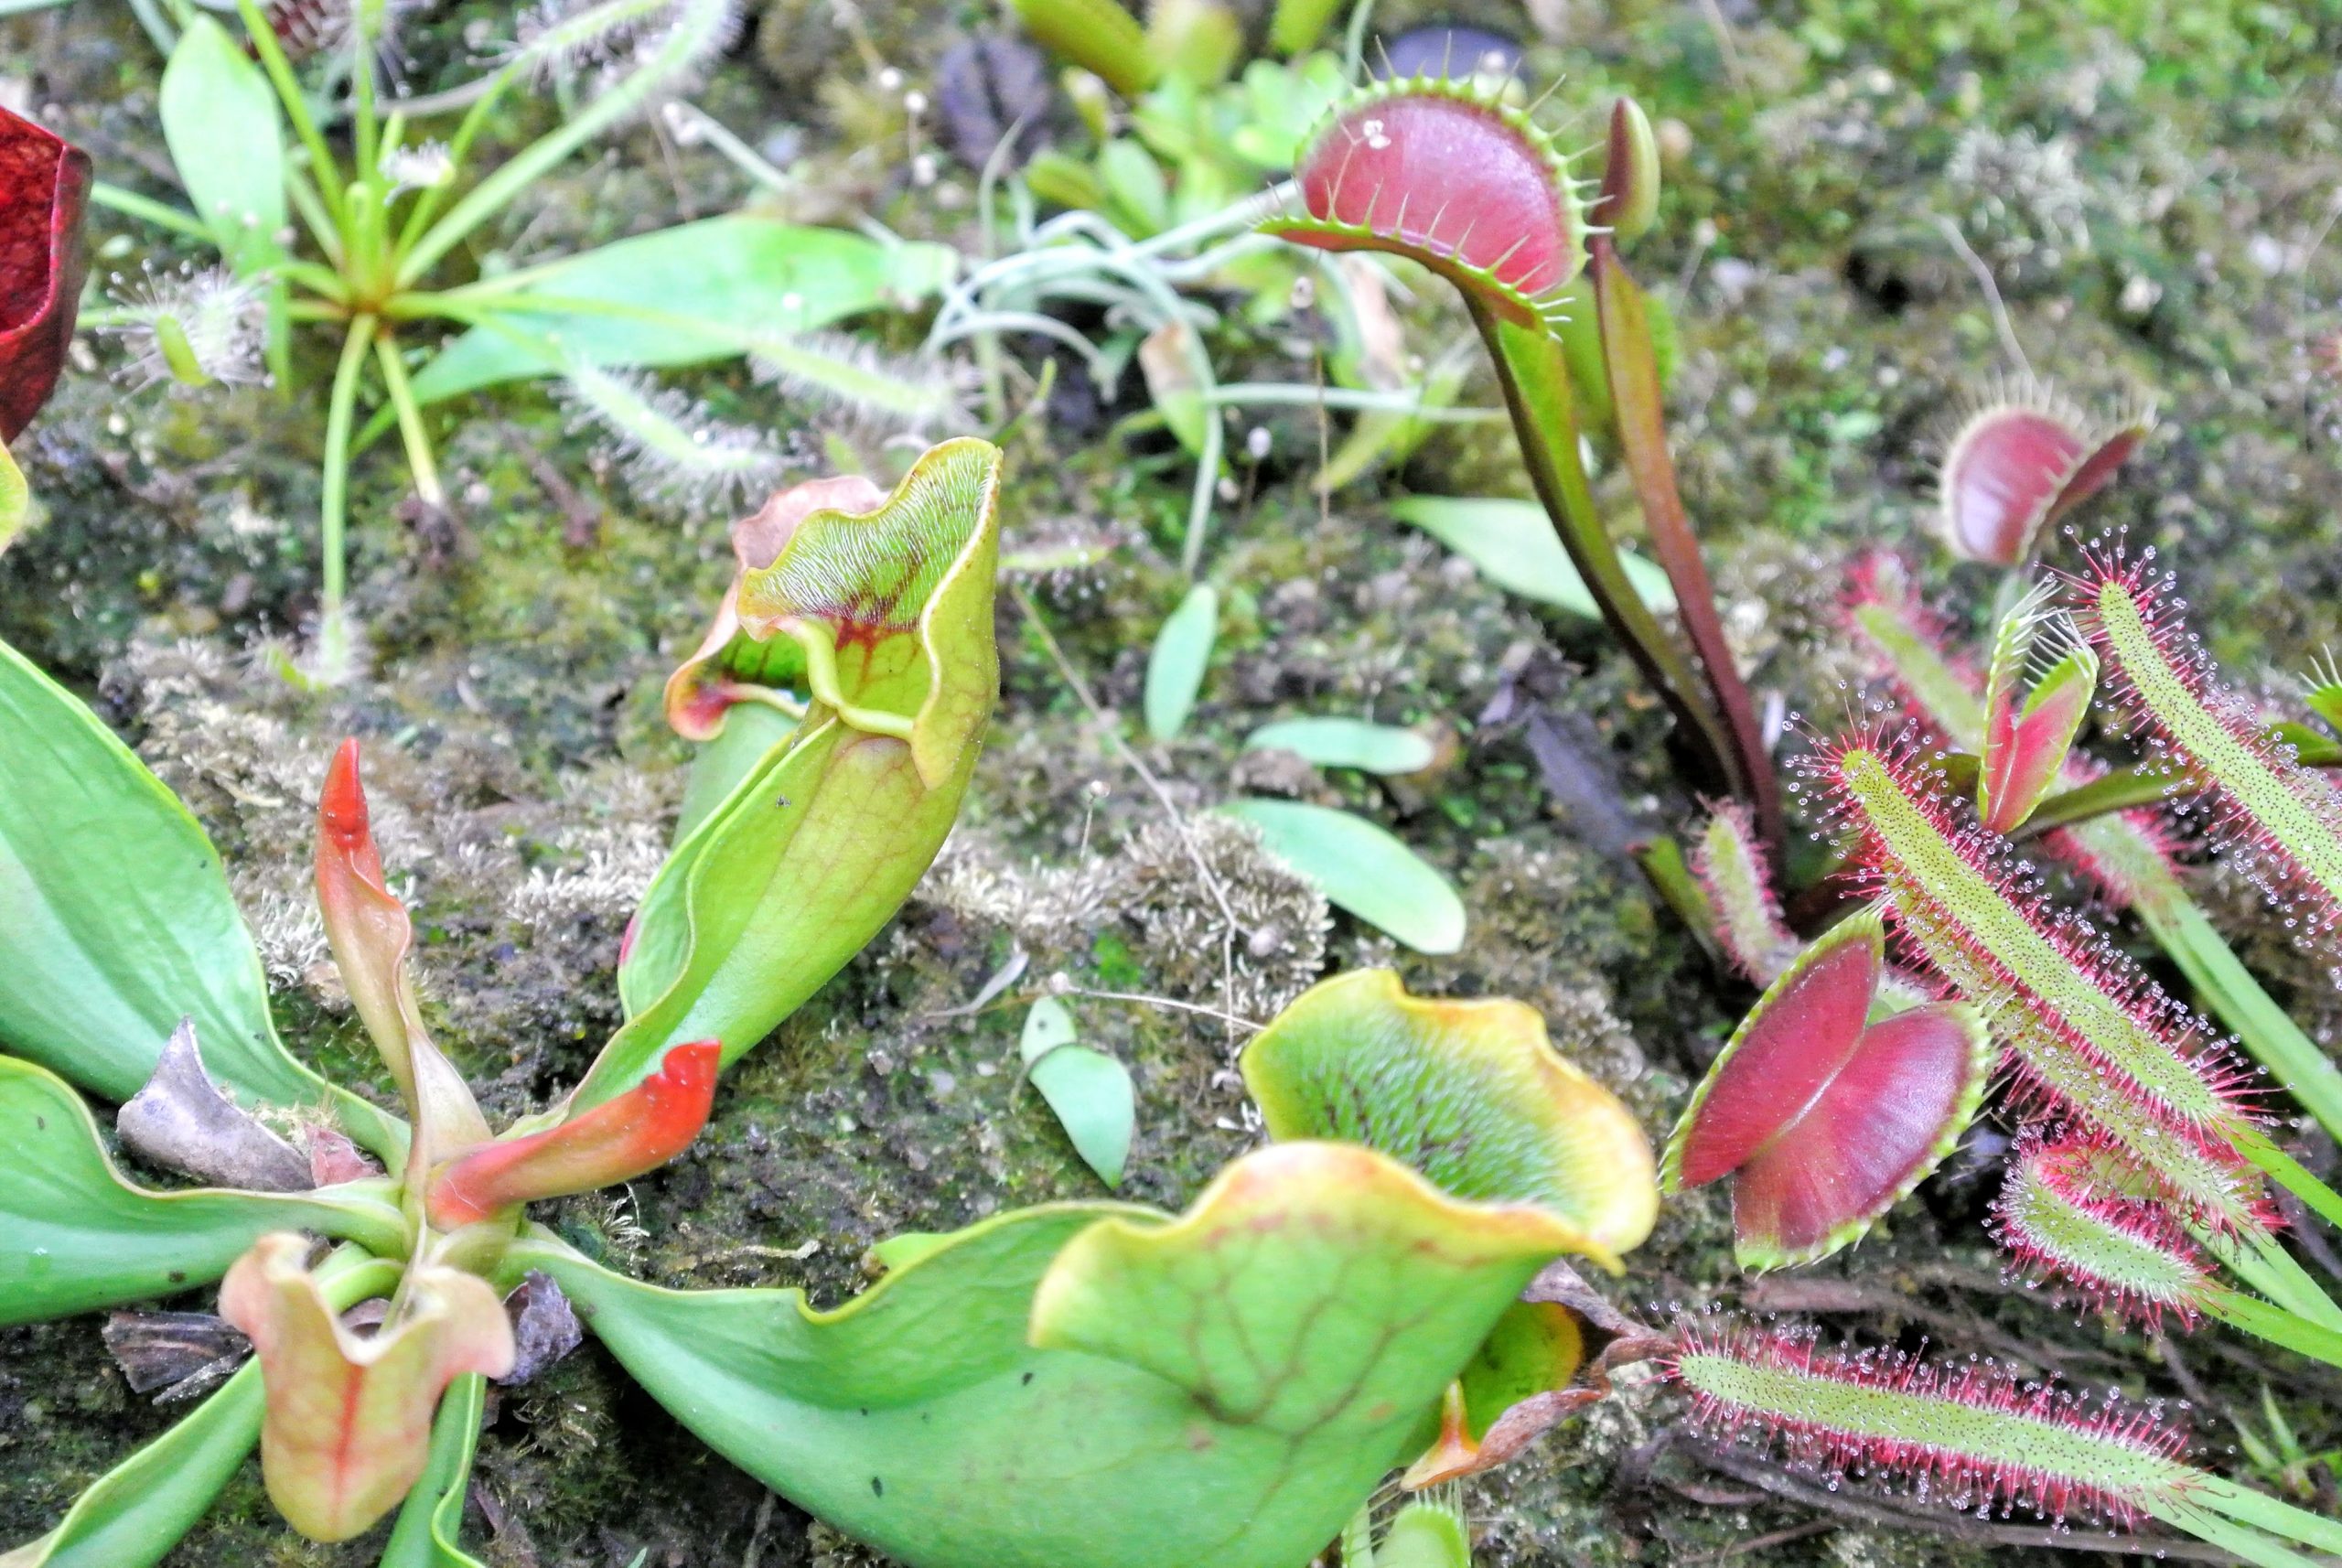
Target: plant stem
(417, 439)
(336, 500)
(322, 167)
(2271, 1514)
(2274, 1039)
(1250, 395)
(2277, 1326)
(1633, 373)
(145, 208)
(1535, 382)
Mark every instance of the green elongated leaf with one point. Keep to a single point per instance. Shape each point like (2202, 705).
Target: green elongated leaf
(119, 921)
(430, 1521)
(1096, 1384)
(1360, 867)
(818, 845)
(750, 731)
(138, 1510)
(1513, 545)
(1089, 1091)
(220, 120)
(74, 1235)
(735, 276)
(1331, 742)
(1175, 671)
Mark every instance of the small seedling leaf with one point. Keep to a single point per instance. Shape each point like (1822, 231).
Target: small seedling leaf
(1362, 868)
(1091, 1094)
(1513, 545)
(220, 121)
(1330, 742)
(1175, 671)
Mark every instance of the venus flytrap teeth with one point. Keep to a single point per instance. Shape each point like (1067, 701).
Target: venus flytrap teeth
(1823, 1119)
(1435, 171)
(2080, 1210)
(2085, 1025)
(1968, 1435)
(2287, 817)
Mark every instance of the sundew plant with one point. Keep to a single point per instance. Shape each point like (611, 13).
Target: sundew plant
(322, 207)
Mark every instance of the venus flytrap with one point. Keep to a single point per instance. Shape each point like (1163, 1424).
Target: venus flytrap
(1449, 175)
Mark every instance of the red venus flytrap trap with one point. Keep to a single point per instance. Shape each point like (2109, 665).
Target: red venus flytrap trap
(2025, 458)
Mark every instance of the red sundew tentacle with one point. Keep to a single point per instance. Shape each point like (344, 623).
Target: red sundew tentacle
(2087, 1028)
(2287, 820)
(1969, 1436)
(2078, 1209)
(2127, 857)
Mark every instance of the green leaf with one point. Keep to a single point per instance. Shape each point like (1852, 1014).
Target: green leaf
(681, 295)
(1175, 671)
(1359, 867)
(120, 922)
(820, 842)
(1430, 1534)
(750, 731)
(1347, 743)
(1096, 1384)
(74, 1235)
(1469, 1093)
(1089, 1091)
(138, 1510)
(220, 120)
(1513, 545)
(15, 500)
(428, 1532)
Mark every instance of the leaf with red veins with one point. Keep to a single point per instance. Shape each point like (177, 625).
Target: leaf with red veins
(1437, 172)
(615, 1141)
(1824, 1119)
(2019, 464)
(371, 935)
(347, 1427)
(2026, 747)
(729, 666)
(44, 188)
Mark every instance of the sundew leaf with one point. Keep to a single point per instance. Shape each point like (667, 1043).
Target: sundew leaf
(1513, 545)
(682, 295)
(74, 1235)
(1334, 742)
(1099, 1384)
(821, 840)
(120, 922)
(1359, 867)
(221, 122)
(1175, 671)
(1470, 1093)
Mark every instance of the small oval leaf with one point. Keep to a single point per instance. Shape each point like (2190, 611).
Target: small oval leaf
(1174, 672)
(1360, 867)
(220, 120)
(1091, 1094)
(1513, 545)
(1330, 741)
